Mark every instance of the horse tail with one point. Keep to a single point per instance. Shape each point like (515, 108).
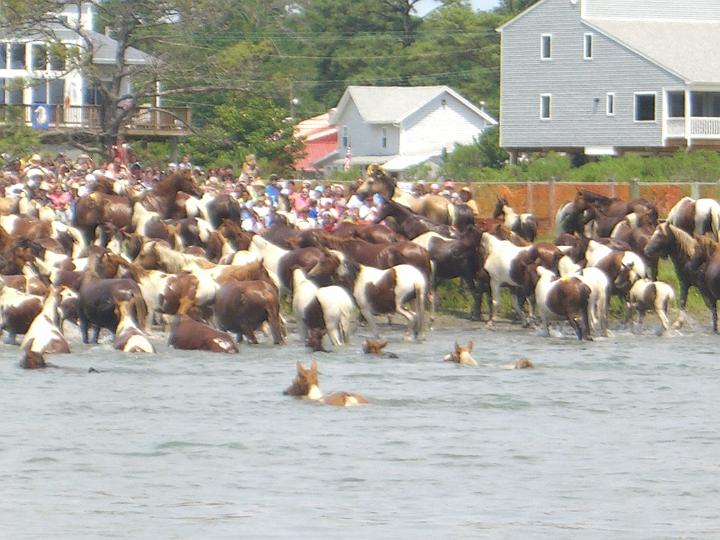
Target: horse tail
(344, 322)
(141, 309)
(275, 322)
(421, 290)
(715, 222)
(585, 307)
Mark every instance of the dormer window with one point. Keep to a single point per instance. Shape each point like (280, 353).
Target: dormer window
(546, 47)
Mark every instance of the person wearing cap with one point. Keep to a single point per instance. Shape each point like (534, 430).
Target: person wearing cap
(35, 172)
(466, 198)
(435, 189)
(258, 189)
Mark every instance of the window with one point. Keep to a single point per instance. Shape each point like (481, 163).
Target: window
(546, 46)
(384, 137)
(676, 104)
(17, 56)
(588, 46)
(345, 137)
(56, 91)
(545, 106)
(39, 92)
(14, 91)
(57, 63)
(39, 57)
(645, 107)
(2, 91)
(610, 104)
(3, 55)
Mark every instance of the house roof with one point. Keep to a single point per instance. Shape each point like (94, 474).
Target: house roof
(392, 104)
(680, 46)
(106, 48)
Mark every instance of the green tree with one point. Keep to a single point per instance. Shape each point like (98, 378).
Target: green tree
(468, 161)
(16, 138)
(246, 125)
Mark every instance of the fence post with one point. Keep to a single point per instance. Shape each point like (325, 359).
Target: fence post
(634, 189)
(552, 203)
(695, 190)
(530, 202)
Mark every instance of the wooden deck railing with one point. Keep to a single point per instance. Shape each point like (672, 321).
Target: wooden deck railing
(165, 121)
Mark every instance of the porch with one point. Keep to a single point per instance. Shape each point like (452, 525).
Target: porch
(703, 120)
(147, 121)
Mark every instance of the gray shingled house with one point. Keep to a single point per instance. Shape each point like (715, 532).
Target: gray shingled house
(610, 76)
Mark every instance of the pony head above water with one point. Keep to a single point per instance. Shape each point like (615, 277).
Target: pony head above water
(461, 355)
(305, 383)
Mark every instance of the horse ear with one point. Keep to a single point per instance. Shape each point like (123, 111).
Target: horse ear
(300, 367)
(470, 345)
(313, 366)
(457, 347)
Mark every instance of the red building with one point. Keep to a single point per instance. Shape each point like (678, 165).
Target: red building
(320, 140)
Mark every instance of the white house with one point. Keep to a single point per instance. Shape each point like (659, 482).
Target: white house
(400, 126)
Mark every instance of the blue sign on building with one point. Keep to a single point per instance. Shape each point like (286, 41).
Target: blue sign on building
(41, 116)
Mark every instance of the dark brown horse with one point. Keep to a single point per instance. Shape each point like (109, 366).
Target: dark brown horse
(97, 208)
(706, 263)
(98, 299)
(163, 196)
(674, 243)
(612, 206)
(190, 334)
(381, 256)
(410, 223)
(242, 307)
(370, 232)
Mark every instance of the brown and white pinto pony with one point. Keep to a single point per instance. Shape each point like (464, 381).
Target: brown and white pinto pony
(305, 386)
(379, 292)
(696, 216)
(525, 225)
(646, 295)
(375, 347)
(17, 311)
(44, 334)
(128, 337)
(329, 308)
(187, 333)
(563, 299)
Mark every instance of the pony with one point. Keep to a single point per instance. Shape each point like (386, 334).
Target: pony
(187, 333)
(647, 295)
(379, 181)
(599, 285)
(525, 225)
(386, 291)
(457, 258)
(672, 242)
(461, 355)
(375, 347)
(410, 224)
(612, 206)
(305, 386)
(706, 265)
(17, 312)
(128, 337)
(505, 264)
(328, 308)
(242, 306)
(563, 299)
(696, 216)
(44, 334)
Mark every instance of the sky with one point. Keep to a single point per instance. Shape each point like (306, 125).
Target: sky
(426, 5)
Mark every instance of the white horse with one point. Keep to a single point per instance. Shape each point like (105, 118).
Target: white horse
(646, 295)
(128, 337)
(335, 305)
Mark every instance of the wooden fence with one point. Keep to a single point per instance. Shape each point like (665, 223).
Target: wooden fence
(544, 198)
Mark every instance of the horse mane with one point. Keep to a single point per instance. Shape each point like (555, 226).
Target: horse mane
(594, 197)
(686, 243)
(169, 185)
(706, 245)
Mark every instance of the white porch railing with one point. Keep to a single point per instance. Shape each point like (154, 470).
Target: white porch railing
(701, 127)
(675, 127)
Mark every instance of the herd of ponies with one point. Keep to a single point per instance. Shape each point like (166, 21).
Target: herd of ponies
(173, 260)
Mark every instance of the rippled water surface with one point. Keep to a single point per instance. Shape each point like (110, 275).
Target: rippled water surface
(612, 439)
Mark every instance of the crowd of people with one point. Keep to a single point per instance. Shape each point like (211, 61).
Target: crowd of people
(59, 182)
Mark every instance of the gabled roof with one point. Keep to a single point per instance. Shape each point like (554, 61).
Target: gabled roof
(392, 104)
(686, 48)
(106, 48)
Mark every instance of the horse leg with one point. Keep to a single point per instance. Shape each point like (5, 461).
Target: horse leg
(662, 315)
(495, 302)
(96, 333)
(575, 326)
(84, 327)
(410, 316)
(517, 304)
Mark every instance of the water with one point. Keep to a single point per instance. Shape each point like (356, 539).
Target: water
(613, 439)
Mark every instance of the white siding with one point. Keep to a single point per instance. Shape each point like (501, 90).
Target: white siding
(702, 10)
(578, 86)
(366, 139)
(434, 127)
